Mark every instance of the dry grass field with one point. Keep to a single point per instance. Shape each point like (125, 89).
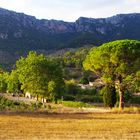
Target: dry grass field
(69, 126)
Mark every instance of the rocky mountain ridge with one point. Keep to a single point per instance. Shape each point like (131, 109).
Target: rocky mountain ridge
(20, 33)
(58, 26)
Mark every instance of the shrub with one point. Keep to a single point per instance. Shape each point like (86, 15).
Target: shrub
(71, 88)
(69, 98)
(109, 96)
(6, 104)
(84, 80)
(91, 78)
(91, 98)
(136, 99)
(127, 96)
(74, 74)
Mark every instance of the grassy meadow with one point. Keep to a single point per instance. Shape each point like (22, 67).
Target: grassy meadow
(72, 126)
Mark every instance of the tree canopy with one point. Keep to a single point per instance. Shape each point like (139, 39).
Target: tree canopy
(116, 63)
(36, 72)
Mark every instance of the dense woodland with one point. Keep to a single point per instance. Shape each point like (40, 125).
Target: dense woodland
(113, 68)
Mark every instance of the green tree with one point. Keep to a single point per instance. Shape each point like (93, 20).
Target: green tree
(137, 82)
(52, 90)
(71, 87)
(75, 58)
(13, 84)
(116, 63)
(29, 70)
(3, 84)
(36, 71)
(54, 73)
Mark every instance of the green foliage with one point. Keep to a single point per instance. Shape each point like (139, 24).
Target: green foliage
(75, 58)
(135, 100)
(116, 63)
(36, 74)
(71, 62)
(6, 104)
(127, 96)
(91, 98)
(71, 87)
(92, 91)
(73, 74)
(75, 93)
(36, 105)
(52, 90)
(76, 104)
(118, 58)
(3, 84)
(29, 70)
(84, 80)
(91, 79)
(109, 96)
(13, 84)
(137, 83)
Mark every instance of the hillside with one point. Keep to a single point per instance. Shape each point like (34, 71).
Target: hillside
(20, 33)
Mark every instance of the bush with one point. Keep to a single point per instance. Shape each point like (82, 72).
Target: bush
(87, 98)
(71, 88)
(127, 96)
(84, 80)
(17, 103)
(6, 104)
(91, 79)
(74, 74)
(109, 96)
(92, 91)
(69, 98)
(36, 105)
(91, 98)
(135, 100)
(98, 99)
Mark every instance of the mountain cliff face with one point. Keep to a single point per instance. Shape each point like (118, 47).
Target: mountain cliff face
(20, 33)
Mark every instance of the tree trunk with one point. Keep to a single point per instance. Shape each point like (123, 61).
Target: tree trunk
(37, 97)
(121, 103)
(43, 101)
(121, 93)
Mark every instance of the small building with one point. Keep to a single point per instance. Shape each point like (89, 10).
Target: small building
(91, 83)
(28, 95)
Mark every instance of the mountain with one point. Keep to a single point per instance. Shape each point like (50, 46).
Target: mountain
(20, 33)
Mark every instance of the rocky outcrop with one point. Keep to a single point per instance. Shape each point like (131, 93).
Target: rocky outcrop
(21, 33)
(21, 22)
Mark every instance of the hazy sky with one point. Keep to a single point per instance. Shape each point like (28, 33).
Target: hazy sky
(70, 10)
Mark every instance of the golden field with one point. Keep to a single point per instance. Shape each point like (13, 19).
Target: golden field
(69, 126)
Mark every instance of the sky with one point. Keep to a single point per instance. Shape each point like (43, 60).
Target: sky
(71, 10)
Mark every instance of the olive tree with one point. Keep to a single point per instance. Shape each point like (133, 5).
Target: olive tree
(116, 63)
